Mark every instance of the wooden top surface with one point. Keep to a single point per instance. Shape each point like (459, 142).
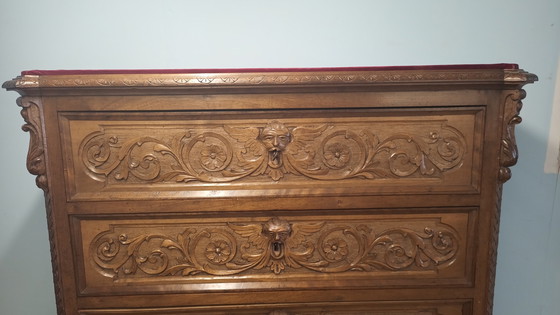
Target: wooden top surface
(508, 66)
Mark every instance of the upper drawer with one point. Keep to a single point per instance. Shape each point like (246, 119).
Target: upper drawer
(145, 155)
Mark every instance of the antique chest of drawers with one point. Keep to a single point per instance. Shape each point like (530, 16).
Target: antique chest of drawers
(273, 191)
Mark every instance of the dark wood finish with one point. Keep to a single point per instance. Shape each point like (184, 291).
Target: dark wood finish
(331, 191)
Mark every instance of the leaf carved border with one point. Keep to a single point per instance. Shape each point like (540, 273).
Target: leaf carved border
(273, 150)
(275, 246)
(318, 78)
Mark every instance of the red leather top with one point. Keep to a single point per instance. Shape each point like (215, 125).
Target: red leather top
(504, 66)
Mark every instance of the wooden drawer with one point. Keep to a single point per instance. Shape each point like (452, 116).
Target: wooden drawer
(271, 153)
(357, 308)
(193, 254)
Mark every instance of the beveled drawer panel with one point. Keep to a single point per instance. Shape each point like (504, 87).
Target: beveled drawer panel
(450, 307)
(260, 153)
(120, 256)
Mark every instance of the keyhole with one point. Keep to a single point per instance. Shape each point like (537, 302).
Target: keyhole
(275, 155)
(276, 246)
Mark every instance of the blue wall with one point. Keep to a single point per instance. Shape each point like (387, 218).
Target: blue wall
(212, 34)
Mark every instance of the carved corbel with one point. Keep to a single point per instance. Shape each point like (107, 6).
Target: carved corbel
(509, 152)
(36, 165)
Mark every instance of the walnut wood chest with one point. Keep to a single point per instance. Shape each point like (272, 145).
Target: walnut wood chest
(273, 191)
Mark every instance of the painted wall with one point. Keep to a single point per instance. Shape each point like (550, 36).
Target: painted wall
(212, 34)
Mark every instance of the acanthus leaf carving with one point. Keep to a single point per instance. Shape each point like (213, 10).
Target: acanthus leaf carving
(228, 153)
(276, 246)
(36, 163)
(509, 153)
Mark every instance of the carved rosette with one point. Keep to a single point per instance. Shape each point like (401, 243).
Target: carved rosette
(275, 246)
(217, 154)
(31, 113)
(509, 153)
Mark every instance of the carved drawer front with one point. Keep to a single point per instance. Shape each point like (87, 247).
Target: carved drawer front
(287, 252)
(327, 308)
(299, 153)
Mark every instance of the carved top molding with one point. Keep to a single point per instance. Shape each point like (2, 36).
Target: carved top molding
(238, 78)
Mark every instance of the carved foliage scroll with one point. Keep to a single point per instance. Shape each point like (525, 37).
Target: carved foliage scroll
(276, 246)
(31, 113)
(509, 153)
(226, 153)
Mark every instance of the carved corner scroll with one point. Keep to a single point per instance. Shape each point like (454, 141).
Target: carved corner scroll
(276, 246)
(31, 113)
(273, 150)
(509, 152)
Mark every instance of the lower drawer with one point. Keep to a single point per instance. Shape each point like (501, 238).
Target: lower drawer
(407, 248)
(355, 308)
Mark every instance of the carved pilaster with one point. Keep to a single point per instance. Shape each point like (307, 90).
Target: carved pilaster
(36, 165)
(54, 256)
(31, 113)
(508, 158)
(493, 250)
(509, 153)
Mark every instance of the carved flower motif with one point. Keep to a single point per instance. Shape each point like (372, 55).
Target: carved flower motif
(218, 251)
(213, 157)
(337, 155)
(335, 249)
